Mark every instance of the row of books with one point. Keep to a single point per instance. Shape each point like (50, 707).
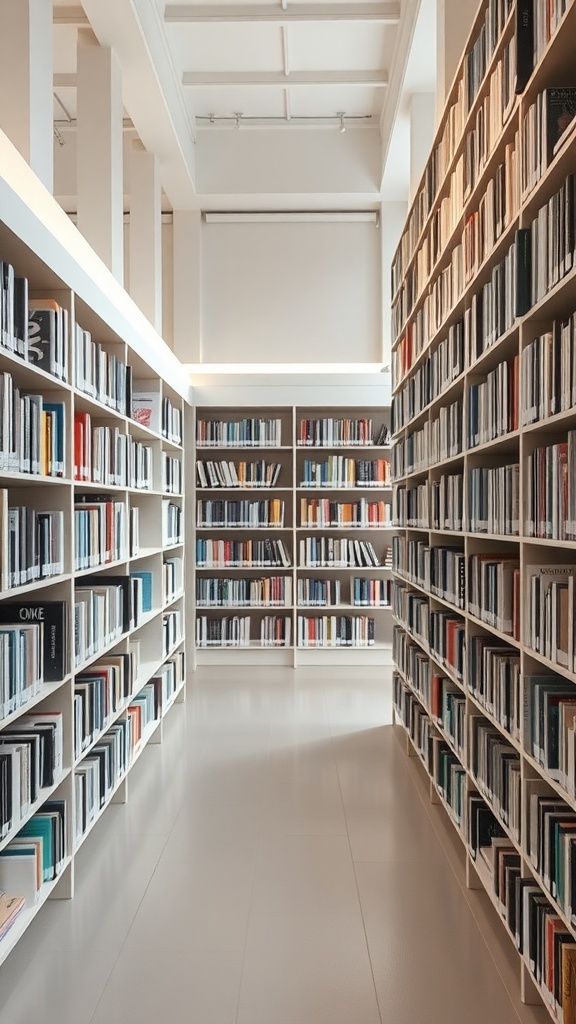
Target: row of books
(238, 474)
(549, 611)
(103, 611)
(323, 513)
(543, 128)
(31, 760)
(100, 771)
(331, 432)
(494, 591)
(99, 372)
(244, 433)
(99, 693)
(172, 631)
(99, 530)
(438, 439)
(549, 372)
(551, 491)
(493, 405)
(236, 631)
(552, 237)
(335, 631)
(213, 553)
(260, 592)
(157, 412)
(244, 513)
(171, 474)
(444, 364)
(432, 504)
(340, 471)
(497, 208)
(31, 544)
(549, 728)
(338, 552)
(494, 499)
(106, 455)
(495, 768)
(32, 431)
(172, 523)
(494, 680)
(439, 570)
(172, 578)
(34, 857)
(491, 116)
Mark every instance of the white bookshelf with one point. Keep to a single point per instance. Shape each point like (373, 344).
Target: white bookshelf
(38, 240)
(420, 608)
(290, 489)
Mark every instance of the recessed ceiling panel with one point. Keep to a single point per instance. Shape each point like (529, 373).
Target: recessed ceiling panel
(227, 47)
(339, 45)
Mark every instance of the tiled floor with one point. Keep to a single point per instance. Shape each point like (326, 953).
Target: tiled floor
(278, 862)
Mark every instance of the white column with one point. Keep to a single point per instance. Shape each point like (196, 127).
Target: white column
(187, 287)
(392, 220)
(145, 281)
(99, 146)
(26, 82)
(422, 125)
(455, 19)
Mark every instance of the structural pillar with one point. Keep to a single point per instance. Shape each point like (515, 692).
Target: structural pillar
(99, 151)
(26, 82)
(422, 125)
(187, 287)
(145, 264)
(454, 23)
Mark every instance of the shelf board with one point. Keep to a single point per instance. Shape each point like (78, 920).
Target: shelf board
(25, 918)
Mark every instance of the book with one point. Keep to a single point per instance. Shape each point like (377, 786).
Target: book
(524, 35)
(146, 409)
(560, 110)
(52, 616)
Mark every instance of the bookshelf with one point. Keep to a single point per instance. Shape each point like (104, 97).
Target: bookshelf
(293, 520)
(92, 507)
(483, 412)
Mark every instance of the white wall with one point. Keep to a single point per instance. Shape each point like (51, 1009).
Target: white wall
(291, 292)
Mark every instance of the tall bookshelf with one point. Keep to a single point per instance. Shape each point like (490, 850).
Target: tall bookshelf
(483, 409)
(94, 644)
(324, 487)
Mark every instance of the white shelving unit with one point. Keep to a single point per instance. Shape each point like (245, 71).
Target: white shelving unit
(442, 691)
(39, 242)
(293, 531)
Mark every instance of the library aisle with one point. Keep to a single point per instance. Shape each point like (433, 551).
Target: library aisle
(273, 866)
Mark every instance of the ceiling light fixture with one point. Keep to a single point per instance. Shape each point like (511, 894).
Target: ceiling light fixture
(342, 125)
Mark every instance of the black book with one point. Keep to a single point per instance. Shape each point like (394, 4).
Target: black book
(524, 43)
(523, 271)
(559, 112)
(53, 616)
(21, 314)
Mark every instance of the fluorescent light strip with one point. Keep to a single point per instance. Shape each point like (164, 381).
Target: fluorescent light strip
(304, 216)
(279, 368)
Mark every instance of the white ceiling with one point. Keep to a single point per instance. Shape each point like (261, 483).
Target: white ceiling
(243, 102)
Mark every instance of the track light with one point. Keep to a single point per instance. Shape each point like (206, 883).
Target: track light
(238, 116)
(212, 119)
(342, 125)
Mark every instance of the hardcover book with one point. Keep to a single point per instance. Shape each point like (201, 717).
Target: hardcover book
(53, 616)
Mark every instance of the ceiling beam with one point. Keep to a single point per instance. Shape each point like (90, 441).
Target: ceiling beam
(69, 15)
(65, 79)
(198, 14)
(250, 79)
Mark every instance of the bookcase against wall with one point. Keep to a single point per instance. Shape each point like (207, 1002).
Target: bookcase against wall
(484, 413)
(293, 535)
(92, 605)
